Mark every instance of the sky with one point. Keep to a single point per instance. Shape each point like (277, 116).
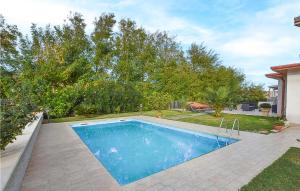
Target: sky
(250, 35)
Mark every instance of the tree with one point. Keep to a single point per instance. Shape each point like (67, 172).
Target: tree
(103, 43)
(15, 107)
(56, 61)
(218, 99)
(202, 59)
(204, 65)
(70, 72)
(130, 44)
(9, 36)
(253, 93)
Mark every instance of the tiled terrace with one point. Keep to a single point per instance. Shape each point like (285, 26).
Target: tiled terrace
(61, 161)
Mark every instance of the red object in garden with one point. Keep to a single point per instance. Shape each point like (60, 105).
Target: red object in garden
(278, 127)
(196, 105)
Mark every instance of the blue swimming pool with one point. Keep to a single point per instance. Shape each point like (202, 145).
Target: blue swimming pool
(133, 149)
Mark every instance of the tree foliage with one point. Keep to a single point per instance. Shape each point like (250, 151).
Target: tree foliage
(253, 93)
(15, 105)
(157, 101)
(218, 99)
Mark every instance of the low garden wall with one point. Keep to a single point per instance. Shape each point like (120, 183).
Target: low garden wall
(16, 156)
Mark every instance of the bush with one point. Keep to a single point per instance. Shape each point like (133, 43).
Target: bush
(15, 108)
(14, 118)
(265, 105)
(157, 101)
(62, 102)
(86, 109)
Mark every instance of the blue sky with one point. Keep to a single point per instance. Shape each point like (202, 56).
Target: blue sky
(251, 35)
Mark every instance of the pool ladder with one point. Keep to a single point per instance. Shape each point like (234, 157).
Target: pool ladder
(236, 124)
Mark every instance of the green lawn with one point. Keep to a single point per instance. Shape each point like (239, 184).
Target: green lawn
(282, 175)
(165, 114)
(247, 122)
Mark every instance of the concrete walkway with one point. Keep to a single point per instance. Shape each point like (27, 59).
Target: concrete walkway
(61, 161)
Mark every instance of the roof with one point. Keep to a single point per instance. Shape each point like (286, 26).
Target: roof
(284, 68)
(297, 21)
(274, 75)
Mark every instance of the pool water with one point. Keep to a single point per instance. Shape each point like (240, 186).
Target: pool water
(131, 150)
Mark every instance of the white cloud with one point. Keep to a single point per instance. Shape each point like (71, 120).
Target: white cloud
(155, 18)
(269, 33)
(259, 46)
(33, 11)
(269, 38)
(186, 31)
(23, 13)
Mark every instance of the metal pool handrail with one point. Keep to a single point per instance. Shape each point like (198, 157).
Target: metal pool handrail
(236, 124)
(236, 121)
(219, 131)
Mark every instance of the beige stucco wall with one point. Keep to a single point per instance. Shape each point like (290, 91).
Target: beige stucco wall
(293, 97)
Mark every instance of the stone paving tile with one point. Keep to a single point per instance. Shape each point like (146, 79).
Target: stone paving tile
(80, 186)
(61, 161)
(156, 187)
(43, 187)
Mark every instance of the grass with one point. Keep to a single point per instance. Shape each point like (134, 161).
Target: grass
(282, 175)
(165, 114)
(247, 122)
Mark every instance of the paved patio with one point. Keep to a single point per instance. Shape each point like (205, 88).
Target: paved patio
(61, 161)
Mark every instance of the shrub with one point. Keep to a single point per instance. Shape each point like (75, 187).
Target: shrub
(63, 101)
(117, 109)
(86, 109)
(157, 101)
(265, 105)
(14, 118)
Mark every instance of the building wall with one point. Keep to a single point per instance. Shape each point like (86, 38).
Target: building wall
(293, 97)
